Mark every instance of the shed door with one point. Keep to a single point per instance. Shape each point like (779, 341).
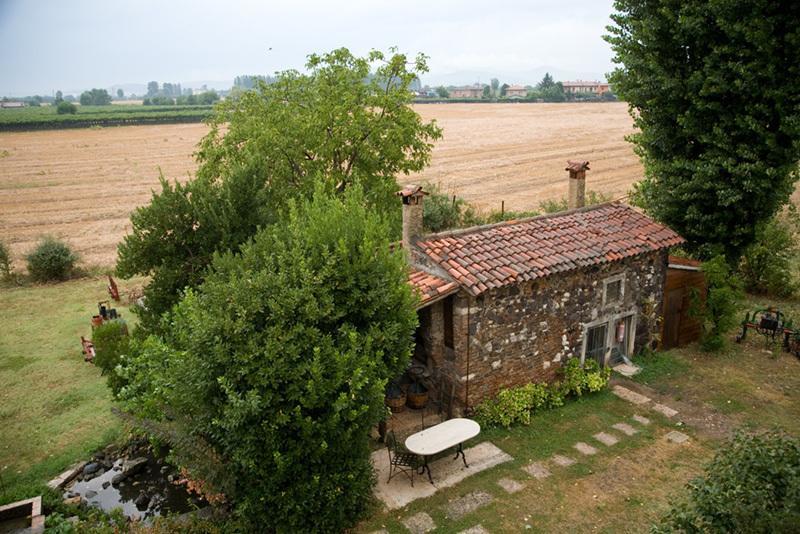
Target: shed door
(673, 308)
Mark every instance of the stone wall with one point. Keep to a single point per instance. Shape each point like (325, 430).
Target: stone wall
(522, 333)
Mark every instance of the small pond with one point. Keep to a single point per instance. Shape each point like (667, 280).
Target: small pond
(140, 484)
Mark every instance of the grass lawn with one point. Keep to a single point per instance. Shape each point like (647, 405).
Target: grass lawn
(54, 407)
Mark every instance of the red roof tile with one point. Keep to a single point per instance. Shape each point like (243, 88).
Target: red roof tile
(497, 255)
(430, 287)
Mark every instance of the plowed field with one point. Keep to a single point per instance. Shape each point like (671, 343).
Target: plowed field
(81, 185)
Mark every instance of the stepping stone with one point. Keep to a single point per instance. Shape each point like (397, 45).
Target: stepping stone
(562, 461)
(606, 439)
(510, 485)
(677, 437)
(466, 504)
(585, 448)
(477, 529)
(626, 370)
(630, 396)
(625, 428)
(419, 523)
(641, 419)
(537, 470)
(666, 410)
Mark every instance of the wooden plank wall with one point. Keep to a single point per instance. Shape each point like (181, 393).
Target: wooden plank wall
(678, 328)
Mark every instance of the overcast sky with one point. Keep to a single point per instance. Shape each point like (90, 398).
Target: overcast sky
(77, 44)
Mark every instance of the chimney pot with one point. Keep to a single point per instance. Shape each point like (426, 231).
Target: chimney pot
(577, 183)
(412, 196)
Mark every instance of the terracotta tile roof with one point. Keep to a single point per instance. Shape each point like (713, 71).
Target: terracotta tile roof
(488, 257)
(430, 287)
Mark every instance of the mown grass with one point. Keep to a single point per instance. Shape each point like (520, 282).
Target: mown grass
(54, 407)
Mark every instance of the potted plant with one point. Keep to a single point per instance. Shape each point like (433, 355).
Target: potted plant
(417, 395)
(395, 397)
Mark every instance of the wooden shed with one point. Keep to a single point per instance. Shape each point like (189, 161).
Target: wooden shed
(679, 328)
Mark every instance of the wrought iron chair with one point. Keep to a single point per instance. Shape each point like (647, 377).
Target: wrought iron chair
(400, 460)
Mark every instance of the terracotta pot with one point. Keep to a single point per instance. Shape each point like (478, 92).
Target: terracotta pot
(97, 320)
(397, 404)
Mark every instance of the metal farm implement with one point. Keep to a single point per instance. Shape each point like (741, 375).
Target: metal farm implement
(773, 325)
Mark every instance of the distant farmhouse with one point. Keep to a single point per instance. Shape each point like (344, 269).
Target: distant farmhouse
(584, 87)
(467, 91)
(516, 91)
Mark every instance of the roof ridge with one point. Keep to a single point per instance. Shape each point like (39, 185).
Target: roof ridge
(513, 222)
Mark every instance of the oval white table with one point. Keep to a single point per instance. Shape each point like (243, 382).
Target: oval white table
(438, 438)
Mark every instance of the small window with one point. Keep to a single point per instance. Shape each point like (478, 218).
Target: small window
(613, 290)
(596, 339)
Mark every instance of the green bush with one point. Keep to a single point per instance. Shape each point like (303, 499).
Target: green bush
(443, 211)
(5, 261)
(752, 485)
(517, 405)
(719, 312)
(768, 265)
(111, 342)
(51, 260)
(66, 108)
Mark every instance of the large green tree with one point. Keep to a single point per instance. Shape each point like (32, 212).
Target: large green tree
(346, 121)
(713, 89)
(273, 371)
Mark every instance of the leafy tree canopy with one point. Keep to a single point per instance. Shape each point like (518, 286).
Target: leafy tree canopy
(95, 97)
(347, 121)
(277, 364)
(712, 88)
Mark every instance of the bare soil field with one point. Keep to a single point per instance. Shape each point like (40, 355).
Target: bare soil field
(81, 185)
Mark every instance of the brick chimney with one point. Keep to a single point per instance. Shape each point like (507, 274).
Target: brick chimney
(412, 196)
(577, 183)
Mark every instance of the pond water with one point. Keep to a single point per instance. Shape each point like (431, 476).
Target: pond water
(144, 491)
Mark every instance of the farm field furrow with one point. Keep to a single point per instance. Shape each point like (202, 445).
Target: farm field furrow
(82, 184)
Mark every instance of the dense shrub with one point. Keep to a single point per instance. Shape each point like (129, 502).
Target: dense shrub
(66, 108)
(5, 261)
(768, 265)
(719, 311)
(751, 485)
(277, 366)
(110, 344)
(51, 260)
(517, 405)
(443, 211)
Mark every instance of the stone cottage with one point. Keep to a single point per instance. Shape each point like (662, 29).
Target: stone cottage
(506, 304)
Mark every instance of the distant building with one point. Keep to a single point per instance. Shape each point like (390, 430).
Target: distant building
(12, 104)
(584, 87)
(468, 91)
(516, 91)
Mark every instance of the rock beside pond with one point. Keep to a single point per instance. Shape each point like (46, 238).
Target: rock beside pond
(130, 467)
(91, 468)
(76, 500)
(142, 501)
(90, 494)
(116, 479)
(106, 484)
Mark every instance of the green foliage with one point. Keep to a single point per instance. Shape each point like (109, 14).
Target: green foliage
(517, 405)
(712, 88)
(51, 260)
(5, 261)
(346, 122)
(719, 311)
(111, 343)
(66, 108)
(95, 97)
(279, 362)
(443, 211)
(751, 485)
(768, 265)
(48, 117)
(442, 92)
